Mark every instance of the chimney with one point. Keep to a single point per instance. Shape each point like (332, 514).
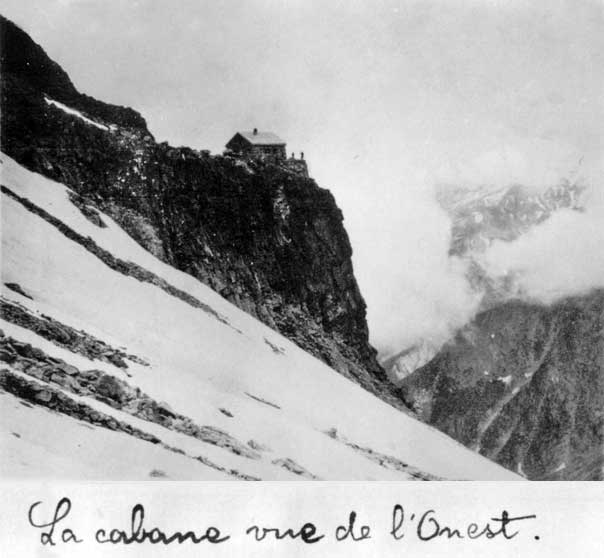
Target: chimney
(255, 131)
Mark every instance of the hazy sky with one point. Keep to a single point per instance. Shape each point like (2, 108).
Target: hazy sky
(384, 98)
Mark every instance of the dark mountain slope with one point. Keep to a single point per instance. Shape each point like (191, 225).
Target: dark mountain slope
(523, 385)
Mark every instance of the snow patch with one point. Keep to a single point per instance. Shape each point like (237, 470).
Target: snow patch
(520, 471)
(76, 113)
(560, 467)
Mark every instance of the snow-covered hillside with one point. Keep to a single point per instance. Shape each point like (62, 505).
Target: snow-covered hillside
(117, 366)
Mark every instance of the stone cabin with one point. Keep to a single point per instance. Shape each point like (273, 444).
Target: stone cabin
(267, 147)
(258, 145)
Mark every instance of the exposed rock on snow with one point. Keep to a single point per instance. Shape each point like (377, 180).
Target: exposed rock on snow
(292, 466)
(116, 393)
(17, 288)
(124, 267)
(64, 336)
(382, 459)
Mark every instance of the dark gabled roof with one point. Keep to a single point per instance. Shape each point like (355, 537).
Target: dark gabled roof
(262, 138)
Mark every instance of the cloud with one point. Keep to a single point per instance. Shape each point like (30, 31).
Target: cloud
(561, 257)
(413, 289)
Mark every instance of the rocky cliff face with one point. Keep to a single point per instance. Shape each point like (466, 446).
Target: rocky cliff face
(267, 239)
(523, 384)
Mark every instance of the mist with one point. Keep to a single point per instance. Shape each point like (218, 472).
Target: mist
(386, 99)
(561, 257)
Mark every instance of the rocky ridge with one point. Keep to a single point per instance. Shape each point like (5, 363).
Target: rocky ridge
(523, 384)
(269, 240)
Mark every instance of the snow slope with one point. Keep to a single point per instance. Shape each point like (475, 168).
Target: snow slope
(211, 363)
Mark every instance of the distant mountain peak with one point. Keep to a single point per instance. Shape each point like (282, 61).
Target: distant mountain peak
(483, 214)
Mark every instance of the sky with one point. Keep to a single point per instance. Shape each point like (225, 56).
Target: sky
(386, 99)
